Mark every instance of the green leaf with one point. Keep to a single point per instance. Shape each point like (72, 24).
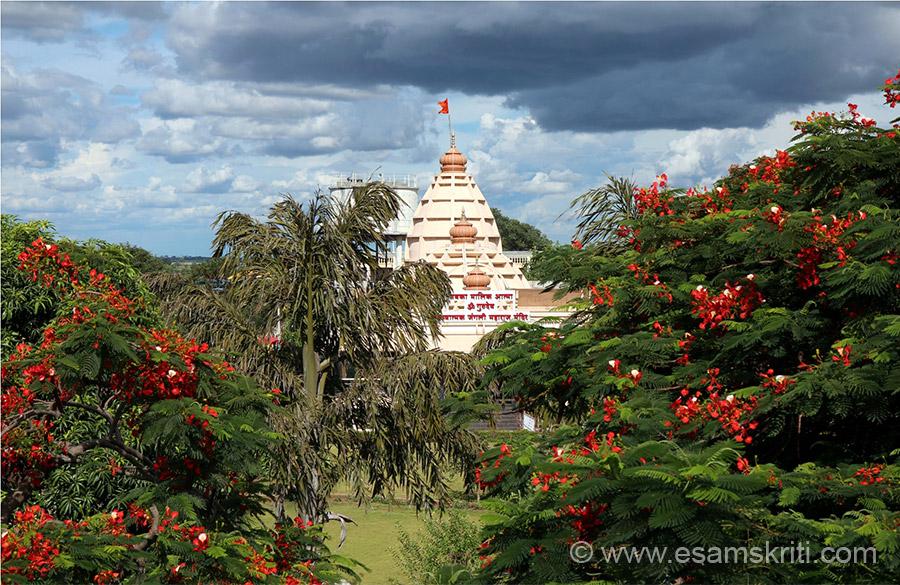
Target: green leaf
(789, 496)
(216, 552)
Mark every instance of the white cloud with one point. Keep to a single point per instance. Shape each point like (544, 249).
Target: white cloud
(174, 98)
(246, 184)
(183, 140)
(142, 58)
(203, 180)
(255, 129)
(72, 183)
(300, 182)
(106, 160)
(694, 153)
(43, 204)
(555, 182)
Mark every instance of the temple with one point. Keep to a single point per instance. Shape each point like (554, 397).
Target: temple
(454, 229)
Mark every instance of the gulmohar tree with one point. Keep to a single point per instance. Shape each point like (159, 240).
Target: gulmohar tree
(28, 306)
(182, 437)
(732, 379)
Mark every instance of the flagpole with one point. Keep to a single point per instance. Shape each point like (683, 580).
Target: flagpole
(445, 109)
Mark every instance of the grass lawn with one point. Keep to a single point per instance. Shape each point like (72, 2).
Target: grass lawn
(371, 541)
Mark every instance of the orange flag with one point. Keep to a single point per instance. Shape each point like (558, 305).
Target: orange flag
(445, 107)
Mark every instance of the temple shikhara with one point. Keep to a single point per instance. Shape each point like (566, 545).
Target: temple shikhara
(452, 227)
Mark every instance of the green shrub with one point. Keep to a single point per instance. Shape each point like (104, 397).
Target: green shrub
(449, 542)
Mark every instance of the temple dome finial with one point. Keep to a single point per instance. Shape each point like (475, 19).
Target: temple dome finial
(476, 279)
(453, 160)
(463, 232)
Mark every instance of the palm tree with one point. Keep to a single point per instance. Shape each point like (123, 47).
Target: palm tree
(360, 387)
(602, 211)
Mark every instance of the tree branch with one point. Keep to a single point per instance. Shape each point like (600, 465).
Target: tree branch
(130, 453)
(91, 408)
(151, 536)
(14, 499)
(760, 262)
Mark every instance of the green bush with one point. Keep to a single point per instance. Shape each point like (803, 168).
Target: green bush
(444, 548)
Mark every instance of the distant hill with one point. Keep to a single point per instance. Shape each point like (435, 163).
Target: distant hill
(184, 259)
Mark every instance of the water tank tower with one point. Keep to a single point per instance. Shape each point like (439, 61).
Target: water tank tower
(341, 186)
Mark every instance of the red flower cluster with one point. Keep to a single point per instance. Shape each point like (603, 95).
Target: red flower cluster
(827, 239)
(735, 300)
(775, 214)
(590, 445)
(138, 515)
(161, 380)
(869, 475)
(16, 400)
(610, 406)
(587, 520)
(729, 411)
(197, 536)
(107, 577)
(644, 276)
(832, 233)
(720, 204)
(207, 440)
(287, 548)
(604, 298)
(808, 260)
(44, 261)
(115, 523)
(28, 450)
(770, 169)
(505, 451)
(778, 384)
(859, 119)
(634, 375)
(844, 353)
(26, 541)
(813, 117)
(652, 200)
(892, 94)
(685, 345)
(547, 339)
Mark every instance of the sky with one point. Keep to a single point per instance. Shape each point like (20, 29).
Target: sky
(142, 121)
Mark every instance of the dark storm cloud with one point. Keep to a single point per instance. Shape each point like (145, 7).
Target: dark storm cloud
(57, 21)
(514, 46)
(580, 66)
(41, 21)
(148, 11)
